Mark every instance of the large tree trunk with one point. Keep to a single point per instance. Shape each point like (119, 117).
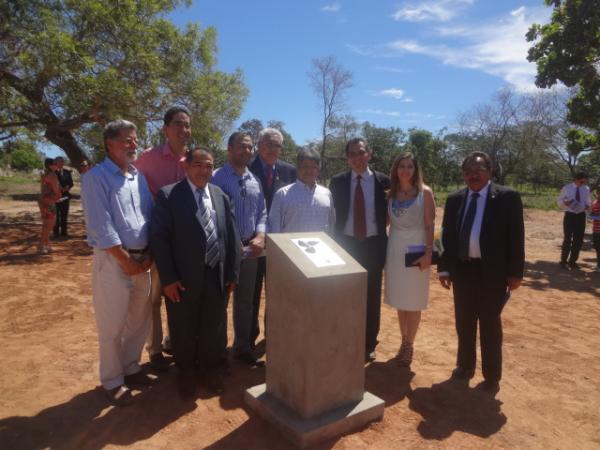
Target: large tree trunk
(66, 141)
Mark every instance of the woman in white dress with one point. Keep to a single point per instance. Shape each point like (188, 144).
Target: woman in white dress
(411, 212)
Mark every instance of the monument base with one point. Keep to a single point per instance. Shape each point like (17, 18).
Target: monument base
(304, 432)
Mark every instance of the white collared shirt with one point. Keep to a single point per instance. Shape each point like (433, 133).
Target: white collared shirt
(568, 192)
(474, 247)
(368, 186)
(206, 199)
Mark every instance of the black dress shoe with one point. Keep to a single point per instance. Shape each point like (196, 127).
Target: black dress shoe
(462, 374)
(250, 359)
(491, 387)
(213, 381)
(574, 265)
(159, 363)
(140, 379)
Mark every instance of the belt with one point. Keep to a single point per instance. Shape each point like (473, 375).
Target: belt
(134, 251)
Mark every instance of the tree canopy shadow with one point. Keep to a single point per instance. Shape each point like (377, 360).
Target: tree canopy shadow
(453, 406)
(544, 275)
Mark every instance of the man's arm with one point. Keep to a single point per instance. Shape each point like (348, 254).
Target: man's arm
(161, 229)
(276, 213)
(233, 247)
(516, 240)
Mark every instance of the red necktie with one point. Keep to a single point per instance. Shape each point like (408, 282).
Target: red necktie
(269, 176)
(360, 221)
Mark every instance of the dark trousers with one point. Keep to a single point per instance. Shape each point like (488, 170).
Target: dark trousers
(369, 253)
(62, 212)
(476, 302)
(198, 325)
(258, 285)
(574, 229)
(596, 240)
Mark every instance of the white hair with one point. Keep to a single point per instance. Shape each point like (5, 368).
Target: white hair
(269, 133)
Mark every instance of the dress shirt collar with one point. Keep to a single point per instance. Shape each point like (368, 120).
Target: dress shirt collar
(113, 168)
(365, 175)
(306, 186)
(194, 188)
(165, 151)
(483, 192)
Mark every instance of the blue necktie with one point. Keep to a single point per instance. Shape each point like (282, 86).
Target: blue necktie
(212, 241)
(465, 230)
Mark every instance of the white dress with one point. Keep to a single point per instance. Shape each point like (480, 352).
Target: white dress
(406, 288)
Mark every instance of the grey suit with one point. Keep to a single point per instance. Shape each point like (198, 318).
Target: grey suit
(198, 323)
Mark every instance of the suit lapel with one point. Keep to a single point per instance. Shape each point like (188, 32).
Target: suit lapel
(218, 206)
(463, 200)
(489, 206)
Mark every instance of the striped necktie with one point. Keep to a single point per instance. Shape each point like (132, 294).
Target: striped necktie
(212, 241)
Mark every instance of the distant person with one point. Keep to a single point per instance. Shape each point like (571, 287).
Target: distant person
(359, 197)
(245, 192)
(65, 180)
(50, 193)
(164, 165)
(84, 167)
(303, 205)
(574, 200)
(596, 227)
(118, 206)
(197, 250)
(273, 174)
(483, 261)
(411, 212)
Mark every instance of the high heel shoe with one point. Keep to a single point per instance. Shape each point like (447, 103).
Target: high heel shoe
(405, 354)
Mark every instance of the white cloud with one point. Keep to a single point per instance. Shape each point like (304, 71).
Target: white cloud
(405, 117)
(395, 93)
(334, 7)
(499, 48)
(435, 10)
(392, 69)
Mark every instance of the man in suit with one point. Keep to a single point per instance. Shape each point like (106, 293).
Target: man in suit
(62, 207)
(273, 175)
(359, 200)
(197, 250)
(483, 260)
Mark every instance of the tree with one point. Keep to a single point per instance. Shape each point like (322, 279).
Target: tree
(329, 80)
(21, 154)
(67, 68)
(567, 50)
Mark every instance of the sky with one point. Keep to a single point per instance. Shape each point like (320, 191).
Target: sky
(414, 63)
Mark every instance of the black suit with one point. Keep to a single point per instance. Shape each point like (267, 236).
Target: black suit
(62, 208)
(480, 286)
(370, 252)
(198, 323)
(284, 174)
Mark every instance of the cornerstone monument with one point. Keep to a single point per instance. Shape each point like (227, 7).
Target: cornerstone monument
(316, 307)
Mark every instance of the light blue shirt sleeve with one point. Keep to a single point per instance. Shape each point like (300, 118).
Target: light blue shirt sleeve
(276, 212)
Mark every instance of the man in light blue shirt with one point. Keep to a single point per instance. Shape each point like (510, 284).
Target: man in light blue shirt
(303, 205)
(118, 206)
(245, 192)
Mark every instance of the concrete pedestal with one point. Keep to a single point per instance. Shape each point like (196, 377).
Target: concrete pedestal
(315, 343)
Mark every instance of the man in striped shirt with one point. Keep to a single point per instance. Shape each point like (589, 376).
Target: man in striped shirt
(304, 205)
(245, 192)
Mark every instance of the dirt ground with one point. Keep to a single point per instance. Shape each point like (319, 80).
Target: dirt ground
(549, 397)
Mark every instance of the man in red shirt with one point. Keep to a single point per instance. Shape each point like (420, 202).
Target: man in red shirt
(164, 165)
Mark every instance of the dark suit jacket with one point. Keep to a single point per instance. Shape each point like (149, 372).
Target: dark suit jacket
(284, 174)
(340, 186)
(65, 179)
(178, 241)
(502, 238)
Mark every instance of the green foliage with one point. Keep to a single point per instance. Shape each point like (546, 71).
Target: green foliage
(567, 50)
(68, 67)
(21, 154)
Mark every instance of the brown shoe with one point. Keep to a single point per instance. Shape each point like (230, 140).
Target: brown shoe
(140, 379)
(119, 396)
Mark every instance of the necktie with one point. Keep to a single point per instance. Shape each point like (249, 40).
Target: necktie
(465, 230)
(360, 221)
(577, 195)
(270, 176)
(212, 242)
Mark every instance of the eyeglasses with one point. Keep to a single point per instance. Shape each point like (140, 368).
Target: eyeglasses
(242, 184)
(275, 145)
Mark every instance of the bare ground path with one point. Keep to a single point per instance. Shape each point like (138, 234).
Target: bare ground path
(550, 396)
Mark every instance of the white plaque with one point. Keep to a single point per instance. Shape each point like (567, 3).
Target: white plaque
(320, 254)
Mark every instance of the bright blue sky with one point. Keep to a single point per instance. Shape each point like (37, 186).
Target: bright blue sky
(415, 63)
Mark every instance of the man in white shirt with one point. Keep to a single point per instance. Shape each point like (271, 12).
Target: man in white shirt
(303, 205)
(574, 200)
